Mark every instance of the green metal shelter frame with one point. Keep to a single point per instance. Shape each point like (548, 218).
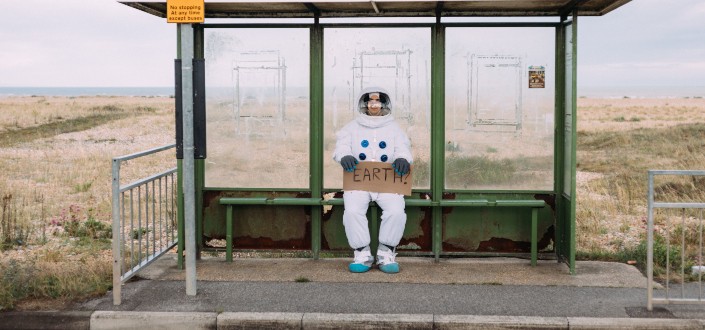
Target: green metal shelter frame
(438, 210)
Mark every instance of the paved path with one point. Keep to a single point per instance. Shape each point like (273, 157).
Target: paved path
(306, 294)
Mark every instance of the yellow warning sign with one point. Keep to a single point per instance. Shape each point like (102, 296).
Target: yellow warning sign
(185, 11)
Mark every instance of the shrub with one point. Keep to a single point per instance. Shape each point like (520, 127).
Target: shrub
(79, 224)
(32, 279)
(13, 231)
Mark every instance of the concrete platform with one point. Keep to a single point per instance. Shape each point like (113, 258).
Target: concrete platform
(490, 271)
(288, 293)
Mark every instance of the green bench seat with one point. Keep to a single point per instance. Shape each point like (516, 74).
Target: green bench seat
(535, 205)
(230, 202)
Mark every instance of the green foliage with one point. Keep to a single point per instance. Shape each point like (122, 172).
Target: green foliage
(11, 284)
(146, 109)
(663, 255)
(12, 231)
(21, 135)
(92, 245)
(622, 119)
(79, 224)
(96, 229)
(139, 233)
(302, 279)
(106, 108)
(30, 279)
(82, 187)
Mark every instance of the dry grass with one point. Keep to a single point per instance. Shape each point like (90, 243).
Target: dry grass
(609, 115)
(52, 278)
(56, 154)
(618, 142)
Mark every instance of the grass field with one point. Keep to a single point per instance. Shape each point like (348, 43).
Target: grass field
(55, 153)
(618, 141)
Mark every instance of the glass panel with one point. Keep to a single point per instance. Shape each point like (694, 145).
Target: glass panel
(257, 90)
(396, 59)
(499, 108)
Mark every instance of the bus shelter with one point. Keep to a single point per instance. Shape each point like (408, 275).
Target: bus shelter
(487, 98)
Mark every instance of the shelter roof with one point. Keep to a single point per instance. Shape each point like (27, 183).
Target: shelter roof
(389, 8)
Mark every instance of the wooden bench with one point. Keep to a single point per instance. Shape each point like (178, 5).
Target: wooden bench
(230, 202)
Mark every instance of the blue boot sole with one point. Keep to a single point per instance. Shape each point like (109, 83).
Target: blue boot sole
(358, 268)
(390, 268)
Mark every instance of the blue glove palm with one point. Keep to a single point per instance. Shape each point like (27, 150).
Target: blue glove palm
(401, 166)
(348, 163)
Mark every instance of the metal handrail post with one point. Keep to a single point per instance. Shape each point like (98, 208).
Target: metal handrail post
(652, 204)
(117, 253)
(650, 246)
(119, 222)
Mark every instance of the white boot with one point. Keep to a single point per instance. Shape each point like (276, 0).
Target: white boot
(363, 261)
(386, 260)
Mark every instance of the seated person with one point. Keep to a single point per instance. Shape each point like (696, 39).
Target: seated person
(373, 136)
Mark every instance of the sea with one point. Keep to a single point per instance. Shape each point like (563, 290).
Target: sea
(658, 92)
(168, 91)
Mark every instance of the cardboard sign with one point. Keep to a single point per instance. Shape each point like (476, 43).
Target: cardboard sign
(185, 11)
(377, 177)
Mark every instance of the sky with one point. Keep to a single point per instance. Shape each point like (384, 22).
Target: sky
(102, 43)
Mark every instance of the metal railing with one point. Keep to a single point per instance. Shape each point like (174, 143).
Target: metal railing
(144, 219)
(687, 290)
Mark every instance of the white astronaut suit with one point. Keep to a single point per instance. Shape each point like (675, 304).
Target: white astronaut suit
(373, 138)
